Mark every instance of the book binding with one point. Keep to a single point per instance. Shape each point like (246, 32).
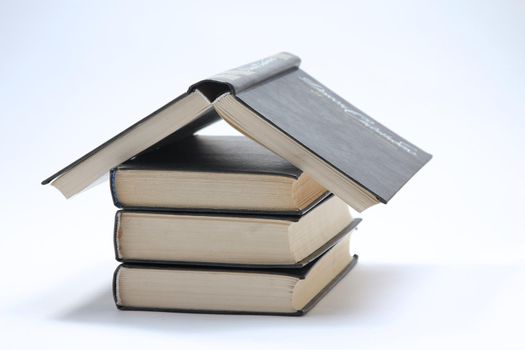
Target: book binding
(315, 300)
(349, 229)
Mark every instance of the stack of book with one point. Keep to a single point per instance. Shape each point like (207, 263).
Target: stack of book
(220, 224)
(226, 224)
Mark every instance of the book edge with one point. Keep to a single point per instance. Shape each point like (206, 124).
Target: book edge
(106, 143)
(259, 268)
(294, 140)
(219, 211)
(309, 306)
(279, 269)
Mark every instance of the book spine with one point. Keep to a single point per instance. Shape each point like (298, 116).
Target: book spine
(251, 74)
(114, 288)
(116, 226)
(113, 187)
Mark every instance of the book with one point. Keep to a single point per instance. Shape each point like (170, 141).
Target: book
(231, 290)
(214, 173)
(280, 106)
(219, 239)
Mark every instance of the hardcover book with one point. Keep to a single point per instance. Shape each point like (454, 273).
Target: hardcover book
(280, 106)
(231, 290)
(214, 173)
(219, 239)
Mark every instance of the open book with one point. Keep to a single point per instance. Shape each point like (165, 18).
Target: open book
(278, 105)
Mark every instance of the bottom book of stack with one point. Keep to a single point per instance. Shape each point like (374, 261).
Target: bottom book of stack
(235, 289)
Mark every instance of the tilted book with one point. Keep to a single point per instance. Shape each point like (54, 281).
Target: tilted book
(280, 106)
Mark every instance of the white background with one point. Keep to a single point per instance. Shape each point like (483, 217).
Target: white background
(441, 266)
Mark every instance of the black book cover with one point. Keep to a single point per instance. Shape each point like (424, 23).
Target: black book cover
(331, 128)
(308, 112)
(214, 154)
(285, 97)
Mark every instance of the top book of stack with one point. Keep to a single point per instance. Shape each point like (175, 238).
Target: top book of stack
(214, 173)
(275, 103)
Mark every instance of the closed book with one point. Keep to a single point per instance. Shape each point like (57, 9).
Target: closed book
(231, 290)
(230, 239)
(277, 104)
(214, 173)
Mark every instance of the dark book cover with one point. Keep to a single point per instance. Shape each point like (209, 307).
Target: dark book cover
(331, 128)
(351, 143)
(327, 125)
(214, 154)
